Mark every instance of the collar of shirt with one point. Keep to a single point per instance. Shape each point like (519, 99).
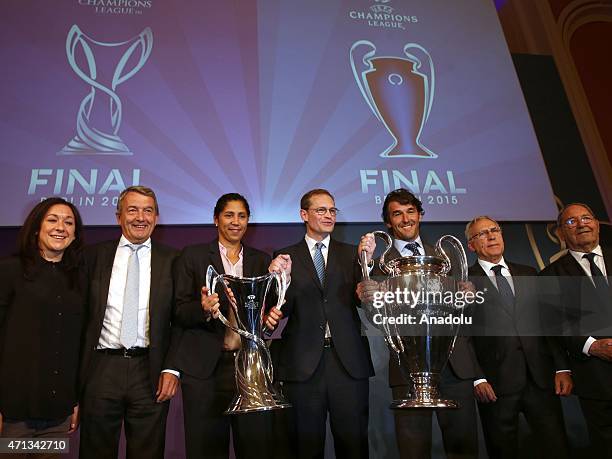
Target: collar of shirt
(399, 245)
(310, 242)
(599, 260)
(487, 265)
(228, 266)
(123, 242)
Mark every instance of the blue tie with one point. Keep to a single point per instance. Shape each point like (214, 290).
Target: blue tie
(503, 286)
(414, 248)
(319, 262)
(129, 320)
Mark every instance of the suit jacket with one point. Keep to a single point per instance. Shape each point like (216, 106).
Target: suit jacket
(164, 335)
(506, 361)
(309, 305)
(462, 358)
(578, 301)
(202, 340)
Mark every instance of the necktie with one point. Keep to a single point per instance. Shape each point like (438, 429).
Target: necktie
(129, 321)
(596, 275)
(503, 286)
(414, 248)
(319, 262)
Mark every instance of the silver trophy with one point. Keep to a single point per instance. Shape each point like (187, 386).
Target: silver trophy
(253, 366)
(422, 345)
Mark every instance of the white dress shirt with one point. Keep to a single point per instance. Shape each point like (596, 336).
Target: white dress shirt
(110, 338)
(231, 340)
(310, 242)
(400, 246)
(487, 267)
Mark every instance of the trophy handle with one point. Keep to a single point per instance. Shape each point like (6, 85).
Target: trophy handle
(281, 285)
(458, 247)
(145, 42)
(212, 278)
(429, 75)
(358, 74)
(383, 267)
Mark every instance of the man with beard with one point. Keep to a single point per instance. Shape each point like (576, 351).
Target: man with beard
(402, 213)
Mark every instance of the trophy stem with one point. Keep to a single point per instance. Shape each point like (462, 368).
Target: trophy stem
(400, 149)
(425, 393)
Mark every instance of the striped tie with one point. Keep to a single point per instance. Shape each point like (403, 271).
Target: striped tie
(129, 321)
(319, 262)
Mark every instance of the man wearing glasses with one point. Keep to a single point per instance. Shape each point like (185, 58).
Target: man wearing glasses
(516, 373)
(588, 309)
(402, 213)
(323, 361)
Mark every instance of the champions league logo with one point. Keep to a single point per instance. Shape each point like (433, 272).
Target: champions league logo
(400, 93)
(91, 138)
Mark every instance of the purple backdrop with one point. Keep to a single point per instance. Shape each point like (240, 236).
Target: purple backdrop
(268, 98)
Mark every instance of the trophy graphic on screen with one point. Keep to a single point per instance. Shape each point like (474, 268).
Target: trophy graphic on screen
(399, 91)
(100, 134)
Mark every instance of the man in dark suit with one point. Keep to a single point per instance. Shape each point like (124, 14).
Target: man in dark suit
(323, 361)
(587, 306)
(515, 373)
(127, 373)
(402, 213)
(208, 348)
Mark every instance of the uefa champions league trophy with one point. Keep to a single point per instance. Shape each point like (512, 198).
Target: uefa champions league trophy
(399, 91)
(254, 373)
(422, 349)
(89, 138)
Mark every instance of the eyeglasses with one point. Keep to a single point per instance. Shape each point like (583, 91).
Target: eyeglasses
(484, 234)
(573, 221)
(323, 210)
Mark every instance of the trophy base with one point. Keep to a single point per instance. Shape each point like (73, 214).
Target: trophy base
(77, 147)
(414, 403)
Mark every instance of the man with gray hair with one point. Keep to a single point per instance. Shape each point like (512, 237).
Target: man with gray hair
(127, 373)
(516, 373)
(587, 307)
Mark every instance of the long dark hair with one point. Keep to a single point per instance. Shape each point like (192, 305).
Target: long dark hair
(28, 249)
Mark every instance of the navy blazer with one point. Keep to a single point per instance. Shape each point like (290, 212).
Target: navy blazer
(310, 305)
